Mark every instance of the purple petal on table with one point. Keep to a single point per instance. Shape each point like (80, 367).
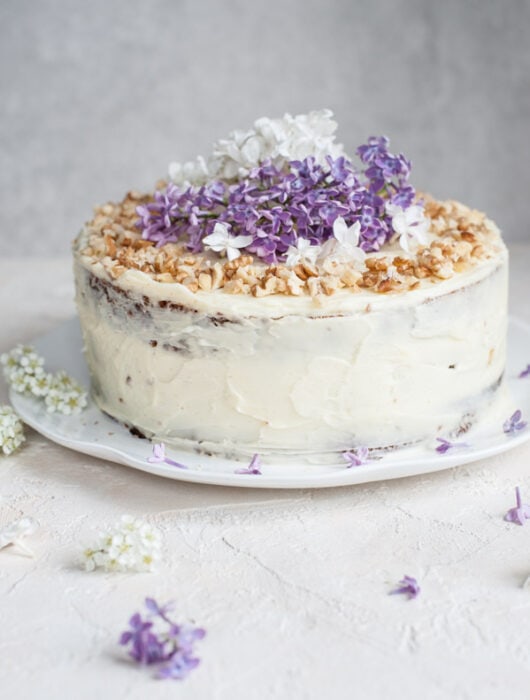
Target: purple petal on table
(407, 586)
(520, 513)
(525, 372)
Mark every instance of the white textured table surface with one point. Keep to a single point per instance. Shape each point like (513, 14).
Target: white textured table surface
(291, 586)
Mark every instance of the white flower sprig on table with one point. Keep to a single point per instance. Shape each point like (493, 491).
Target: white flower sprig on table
(131, 545)
(11, 430)
(25, 373)
(15, 531)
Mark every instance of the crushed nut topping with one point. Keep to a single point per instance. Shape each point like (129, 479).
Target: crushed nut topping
(461, 237)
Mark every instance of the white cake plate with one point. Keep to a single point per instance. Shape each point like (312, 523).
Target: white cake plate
(94, 433)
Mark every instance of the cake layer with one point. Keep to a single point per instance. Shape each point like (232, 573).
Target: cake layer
(279, 375)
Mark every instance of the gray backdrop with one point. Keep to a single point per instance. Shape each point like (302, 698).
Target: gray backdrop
(98, 96)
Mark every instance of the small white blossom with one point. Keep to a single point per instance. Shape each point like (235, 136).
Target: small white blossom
(20, 382)
(19, 364)
(277, 140)
(65, 395)
(193, 172)
(132, 545)
(11, 430)
(411, 225)
(222, 241)
(15, 531)
(302, 251)
(344, 246)
(39, 385)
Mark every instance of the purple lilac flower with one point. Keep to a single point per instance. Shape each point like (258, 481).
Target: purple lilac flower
(408, 586)
(159, 457)
(356, 457)
(158, 610)
(276, 206)
(445, 445)
(253, 468)
(514, 423)
(520, 513)
(375, 146)
(525, 372)
(158, 640)
(179, 666)
(146, 648)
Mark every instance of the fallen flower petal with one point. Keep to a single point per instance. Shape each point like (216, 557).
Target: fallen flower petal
(15, 531)
(446, 445)
(253, 467)
(514, 423)
(525, 372)
(159, 457)
(179, 667)
(520, 513)
(408, 586)
(356, 457)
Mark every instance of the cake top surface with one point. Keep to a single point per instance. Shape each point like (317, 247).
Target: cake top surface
(280, 210)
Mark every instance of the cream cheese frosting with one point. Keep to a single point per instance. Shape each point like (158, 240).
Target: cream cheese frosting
(285, 375)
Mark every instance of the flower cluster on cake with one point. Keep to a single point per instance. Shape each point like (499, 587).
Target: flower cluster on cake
(281, 297)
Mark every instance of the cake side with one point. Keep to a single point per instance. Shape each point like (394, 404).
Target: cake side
(381, 374)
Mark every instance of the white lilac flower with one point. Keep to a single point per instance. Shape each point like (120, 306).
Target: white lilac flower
(194, 172)
(278, 140)
(15, 531)
(222, 241)
(303, 251)
(411, 225)
(344, 246)
(11, 430)
(306, 135)
(131, 545)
